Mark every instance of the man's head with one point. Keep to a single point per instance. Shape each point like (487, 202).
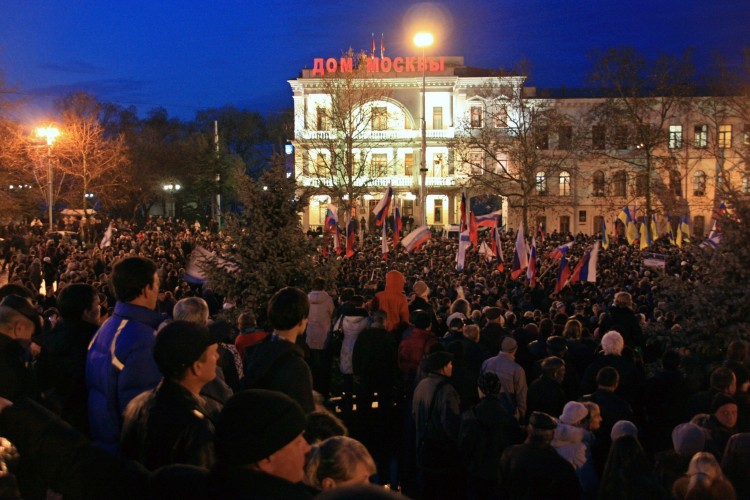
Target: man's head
(509, 346)
(288, 310)
(193, 309)
(184, 351)
(78, 301)
(623, 299)
(421, 289)
(421, 319)
(275, 446)
(494, 315)
(608, 378)
(488, 384)
(246, 321)
(440, 362)
(613, 343)
(319, 284)
(554, 368)
(18, 318)
(724, 409)
(134, 279)
(723, 380)
(541, 427)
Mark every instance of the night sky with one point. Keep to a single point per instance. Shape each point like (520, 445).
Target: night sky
(188, 55)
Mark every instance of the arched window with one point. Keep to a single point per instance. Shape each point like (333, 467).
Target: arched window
(699, 183)
(541, 183)
(620, 183)
(675, 183)
(564, 183)
(599, 183)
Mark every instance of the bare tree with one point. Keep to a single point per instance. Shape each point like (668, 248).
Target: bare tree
(506, 149)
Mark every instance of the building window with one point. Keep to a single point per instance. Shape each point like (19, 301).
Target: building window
(620, 183)
(564, 183)
(565, 137)
(746, 135)
(501, 117)
(321, 119)
(598, 224)
(409, 164)
(476, 162)
(745, 183)
(438, 163)
(699, 183)
(641, 184)
(541, 221)
(725, 136)
(598, 137)
(564, 224)
(599, 183)
(407, 208)
(722, 181)
(699, 227)
(621, 137)
(476, 116)
(379, 165)
(437, 118)
(438, 213)
(581, 216)
(675, 182)
(379, 118)
(541, 138)
(541, 183)
(675, 136)
(320, 164)
(700, 136)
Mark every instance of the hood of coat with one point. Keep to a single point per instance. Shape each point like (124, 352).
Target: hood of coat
(262, 356)
(568, 434)
(394, 281)
(318, 297)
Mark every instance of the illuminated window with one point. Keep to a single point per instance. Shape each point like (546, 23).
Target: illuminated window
(699, 183)
(379, 165)
(379, 118)
(438, 162)
(564, 224)
(321, 121)
(725, 136)
(700, 136)
(620, 183)
(438, 212)
(599, 183)
(565, 137)
(564, 183)
(409, 164)
(477, 113)
(675, 136)
(598, 137)
(541, 183)
(437, 118)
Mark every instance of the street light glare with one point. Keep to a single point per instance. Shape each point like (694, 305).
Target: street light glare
(49, 133)
(423, 39)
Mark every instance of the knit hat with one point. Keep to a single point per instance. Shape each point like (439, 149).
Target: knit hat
(178, 345)
(612, 343)
(25, 309)
(421, 288)
(688, 439)
(437, 360)
(720, 400)
(421, 319)
(623, 428)
(540, 420)
(509, 344)
(573, 412)
(492, 313)
(255, 424)
(454, 316)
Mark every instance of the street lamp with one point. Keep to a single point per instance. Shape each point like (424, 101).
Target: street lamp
(172, 190)
(423, 40)
(49, 133)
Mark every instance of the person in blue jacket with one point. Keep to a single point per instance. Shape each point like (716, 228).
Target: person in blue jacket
(120, 363)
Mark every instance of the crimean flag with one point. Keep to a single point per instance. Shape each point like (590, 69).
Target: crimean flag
(520, 256)
(558, 252)
(397, 226)
(586, 268)
(563, 274)
(416, 238)
(350, 239)
(531, 270)
(382, 208)
(497, 247)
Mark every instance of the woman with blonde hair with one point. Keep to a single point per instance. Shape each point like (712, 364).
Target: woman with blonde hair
(704, 479)
(338, 461)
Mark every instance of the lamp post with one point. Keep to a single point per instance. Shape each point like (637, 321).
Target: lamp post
(172, 190)
(423, 40)
(49, 133)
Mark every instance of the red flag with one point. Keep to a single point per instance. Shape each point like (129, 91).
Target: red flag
(373, 46)
(473, 236)
(382, 46)
(397, 226)
(350, 239)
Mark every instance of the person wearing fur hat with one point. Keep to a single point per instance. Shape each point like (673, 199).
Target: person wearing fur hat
(435, 409)
(573, 442)
(534, 469)
(512, 377)
(721, 425)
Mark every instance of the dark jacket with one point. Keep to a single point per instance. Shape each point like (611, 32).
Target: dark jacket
(16, 379)
(546, 395)
(486, 430)
(627, 323)
(535, 470)
(61, 371)
(279, 365)
(167, 425)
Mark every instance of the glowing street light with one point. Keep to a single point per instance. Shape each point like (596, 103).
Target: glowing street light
(423, 40)
(50, 133)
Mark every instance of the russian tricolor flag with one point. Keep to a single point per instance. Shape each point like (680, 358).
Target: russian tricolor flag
(350, 236)
(520, 256)
(488, 220)
(332, 218)
(381, 209)
(531, 271)
(586, 268)
(416, 238)
(497, 247)
(560, 251)
(563, 274)
(397, 226)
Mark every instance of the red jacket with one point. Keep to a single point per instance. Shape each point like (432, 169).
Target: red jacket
(413, 349)
(393, 301)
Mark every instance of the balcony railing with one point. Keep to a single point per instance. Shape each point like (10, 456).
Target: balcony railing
(380, 135)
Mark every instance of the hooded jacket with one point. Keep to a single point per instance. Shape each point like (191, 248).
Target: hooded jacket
(279, 365)
(319, 319)
(393, 301)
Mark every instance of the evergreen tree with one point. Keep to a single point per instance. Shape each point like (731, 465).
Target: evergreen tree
(265, 246)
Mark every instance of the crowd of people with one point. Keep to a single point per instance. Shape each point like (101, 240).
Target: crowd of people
(120, 377)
